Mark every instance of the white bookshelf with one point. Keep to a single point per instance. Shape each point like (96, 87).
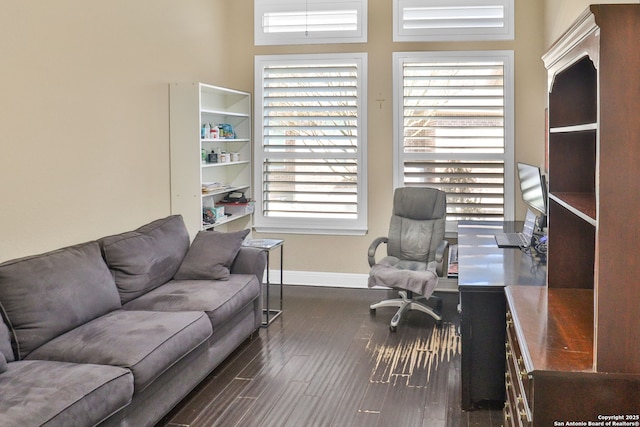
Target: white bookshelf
(191, 106)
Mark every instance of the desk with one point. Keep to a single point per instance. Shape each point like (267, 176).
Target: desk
(267, 245)
(484, 271)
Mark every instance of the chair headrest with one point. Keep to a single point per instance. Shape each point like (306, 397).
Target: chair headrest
(419, 203)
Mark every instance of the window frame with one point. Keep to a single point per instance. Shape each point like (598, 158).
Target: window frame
(330, 226)
(399, 156)
(400, 34)
(262, 7)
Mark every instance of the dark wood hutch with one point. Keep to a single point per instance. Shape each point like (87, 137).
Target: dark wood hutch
(573, 347)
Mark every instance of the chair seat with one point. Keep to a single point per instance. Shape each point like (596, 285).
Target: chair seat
(403, 264)
(420, 277)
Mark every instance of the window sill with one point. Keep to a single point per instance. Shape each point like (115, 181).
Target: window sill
(327, 232)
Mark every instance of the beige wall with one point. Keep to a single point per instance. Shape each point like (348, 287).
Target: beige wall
(84, 133)
(560, 14)
(84, 113)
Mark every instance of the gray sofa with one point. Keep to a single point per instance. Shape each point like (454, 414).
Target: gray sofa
(118, 331)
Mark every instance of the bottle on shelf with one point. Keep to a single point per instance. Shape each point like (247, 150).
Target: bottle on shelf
(212, 157)
(213, 132)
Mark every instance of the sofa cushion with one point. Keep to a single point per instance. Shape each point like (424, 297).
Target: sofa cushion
(39, 393)
(145, 258)
(146, 342)
(46, 295)
(211, 255)
(5, 341)
(221, 300)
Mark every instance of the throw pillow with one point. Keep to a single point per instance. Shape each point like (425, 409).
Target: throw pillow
(211, 255)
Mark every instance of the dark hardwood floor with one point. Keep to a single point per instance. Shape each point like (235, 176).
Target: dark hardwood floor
(328, 362)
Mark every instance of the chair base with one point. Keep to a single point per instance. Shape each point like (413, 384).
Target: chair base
(408, 302)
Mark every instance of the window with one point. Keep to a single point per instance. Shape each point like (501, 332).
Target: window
(453, 20)
(310, 147)
(453, 129)
(278, 22)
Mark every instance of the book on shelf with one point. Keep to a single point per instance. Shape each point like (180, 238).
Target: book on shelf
(212, 187)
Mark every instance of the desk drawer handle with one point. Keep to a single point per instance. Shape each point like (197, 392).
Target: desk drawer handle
(523, 372)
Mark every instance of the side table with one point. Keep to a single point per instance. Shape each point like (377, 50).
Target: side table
(267, 245)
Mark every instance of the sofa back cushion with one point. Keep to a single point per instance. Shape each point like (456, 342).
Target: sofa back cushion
(46, 295)
(143, 259)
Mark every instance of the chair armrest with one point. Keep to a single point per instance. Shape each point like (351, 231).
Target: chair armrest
(250, 261)
(372, 249)
(440, 255)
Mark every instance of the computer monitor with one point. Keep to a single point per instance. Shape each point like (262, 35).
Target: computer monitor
(534, 190)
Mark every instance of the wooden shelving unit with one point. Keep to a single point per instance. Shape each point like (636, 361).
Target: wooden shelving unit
(578, 338)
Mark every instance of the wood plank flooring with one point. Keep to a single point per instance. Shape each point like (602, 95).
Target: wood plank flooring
(328, 362)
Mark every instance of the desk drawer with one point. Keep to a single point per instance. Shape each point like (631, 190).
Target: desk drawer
(517, 381)
(521, 376)
(510, 411)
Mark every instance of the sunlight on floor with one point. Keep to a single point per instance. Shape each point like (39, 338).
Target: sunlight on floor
(412, 362)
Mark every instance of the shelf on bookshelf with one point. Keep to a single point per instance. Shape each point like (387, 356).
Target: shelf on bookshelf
(226, 219)
(224, 113)
(574, 128)
(220, 164)
(582, 204)
(225, 139)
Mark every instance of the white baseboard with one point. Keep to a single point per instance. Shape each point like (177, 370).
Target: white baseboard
(341, 280)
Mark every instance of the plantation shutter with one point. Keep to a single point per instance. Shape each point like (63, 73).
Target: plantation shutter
(280, 22)
(454, 133)
(453, 20)
(311, 144)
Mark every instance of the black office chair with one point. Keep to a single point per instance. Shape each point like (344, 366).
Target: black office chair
(415, 252)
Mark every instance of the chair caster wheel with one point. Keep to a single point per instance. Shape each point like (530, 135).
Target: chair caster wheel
(393, 328)
(372, 311)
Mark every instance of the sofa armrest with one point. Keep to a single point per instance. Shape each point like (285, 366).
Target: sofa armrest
(250, 261)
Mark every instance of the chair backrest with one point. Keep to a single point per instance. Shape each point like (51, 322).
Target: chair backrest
(418, 223)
